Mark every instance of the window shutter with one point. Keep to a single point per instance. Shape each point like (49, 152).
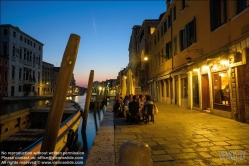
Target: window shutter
(180, 40)
(194, 29)
(211, 15)
(170, 49)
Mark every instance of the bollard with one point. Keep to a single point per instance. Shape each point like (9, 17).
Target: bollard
(87, 102)
(134, 153)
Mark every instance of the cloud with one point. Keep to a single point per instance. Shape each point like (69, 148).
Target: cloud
(94, 26)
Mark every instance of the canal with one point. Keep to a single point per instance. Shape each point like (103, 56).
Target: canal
(84, 141)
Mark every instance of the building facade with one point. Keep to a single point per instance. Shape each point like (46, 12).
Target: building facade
(47, 87)
(4, 68)
(198, 57)
(148, 27)
(24, 55)
(134, 57)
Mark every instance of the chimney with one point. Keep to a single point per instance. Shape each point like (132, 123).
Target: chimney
(168, 4)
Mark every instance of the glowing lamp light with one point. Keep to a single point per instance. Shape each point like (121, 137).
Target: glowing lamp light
(222, 74)
(146, 58)
(204, 68)
(224, 62)
(215, 67)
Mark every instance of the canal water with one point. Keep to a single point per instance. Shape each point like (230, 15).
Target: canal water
(85, 139)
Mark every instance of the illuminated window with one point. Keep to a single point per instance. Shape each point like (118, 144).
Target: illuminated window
(221, 88)
(152, 29)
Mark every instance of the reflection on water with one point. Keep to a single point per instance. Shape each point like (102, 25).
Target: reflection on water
(85, 139)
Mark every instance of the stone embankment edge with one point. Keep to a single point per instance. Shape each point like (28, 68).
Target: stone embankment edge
(102, 152)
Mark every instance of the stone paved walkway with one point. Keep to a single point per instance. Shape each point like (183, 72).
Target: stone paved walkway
(187, 137)
(102, 151)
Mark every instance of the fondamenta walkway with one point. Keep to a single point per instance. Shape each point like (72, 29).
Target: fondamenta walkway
(181, 136)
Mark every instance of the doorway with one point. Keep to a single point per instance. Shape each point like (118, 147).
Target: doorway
(176, 91)
(205, 93)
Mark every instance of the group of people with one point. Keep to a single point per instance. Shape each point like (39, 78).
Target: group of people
(132, 102)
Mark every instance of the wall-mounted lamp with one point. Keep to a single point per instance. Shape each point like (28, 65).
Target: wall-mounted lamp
(205, 68)
(224, 62)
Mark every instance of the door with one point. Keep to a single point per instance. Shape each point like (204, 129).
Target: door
(176, 91)
(195, 91)
(205, 92)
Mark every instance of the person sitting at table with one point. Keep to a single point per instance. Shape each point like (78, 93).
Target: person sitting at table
(133, 109)
(148, 101)
(126, 104)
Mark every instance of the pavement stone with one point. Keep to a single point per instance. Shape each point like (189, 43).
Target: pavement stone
(178, 137)
(181, 136)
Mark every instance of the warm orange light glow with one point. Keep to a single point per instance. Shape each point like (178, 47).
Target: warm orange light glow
(145, 58)
(205, 68)
(224, 62)
(152, 29)
(196, 70)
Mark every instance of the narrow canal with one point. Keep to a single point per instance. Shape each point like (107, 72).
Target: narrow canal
(84, 141)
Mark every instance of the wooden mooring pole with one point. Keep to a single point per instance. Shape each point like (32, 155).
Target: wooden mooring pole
(87, 102)
(59, 97)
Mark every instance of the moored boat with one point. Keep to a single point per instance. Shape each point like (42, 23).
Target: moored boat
(22, 133)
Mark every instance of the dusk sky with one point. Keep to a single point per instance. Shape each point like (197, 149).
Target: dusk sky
(104, 26)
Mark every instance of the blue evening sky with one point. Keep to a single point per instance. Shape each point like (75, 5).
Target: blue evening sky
(104, 26)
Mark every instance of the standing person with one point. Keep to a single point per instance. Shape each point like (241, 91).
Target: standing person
(137, 98)
(141, 105)
(126, 106)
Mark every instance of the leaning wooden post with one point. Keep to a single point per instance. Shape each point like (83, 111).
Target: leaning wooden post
(87, 102)
(59, 97)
